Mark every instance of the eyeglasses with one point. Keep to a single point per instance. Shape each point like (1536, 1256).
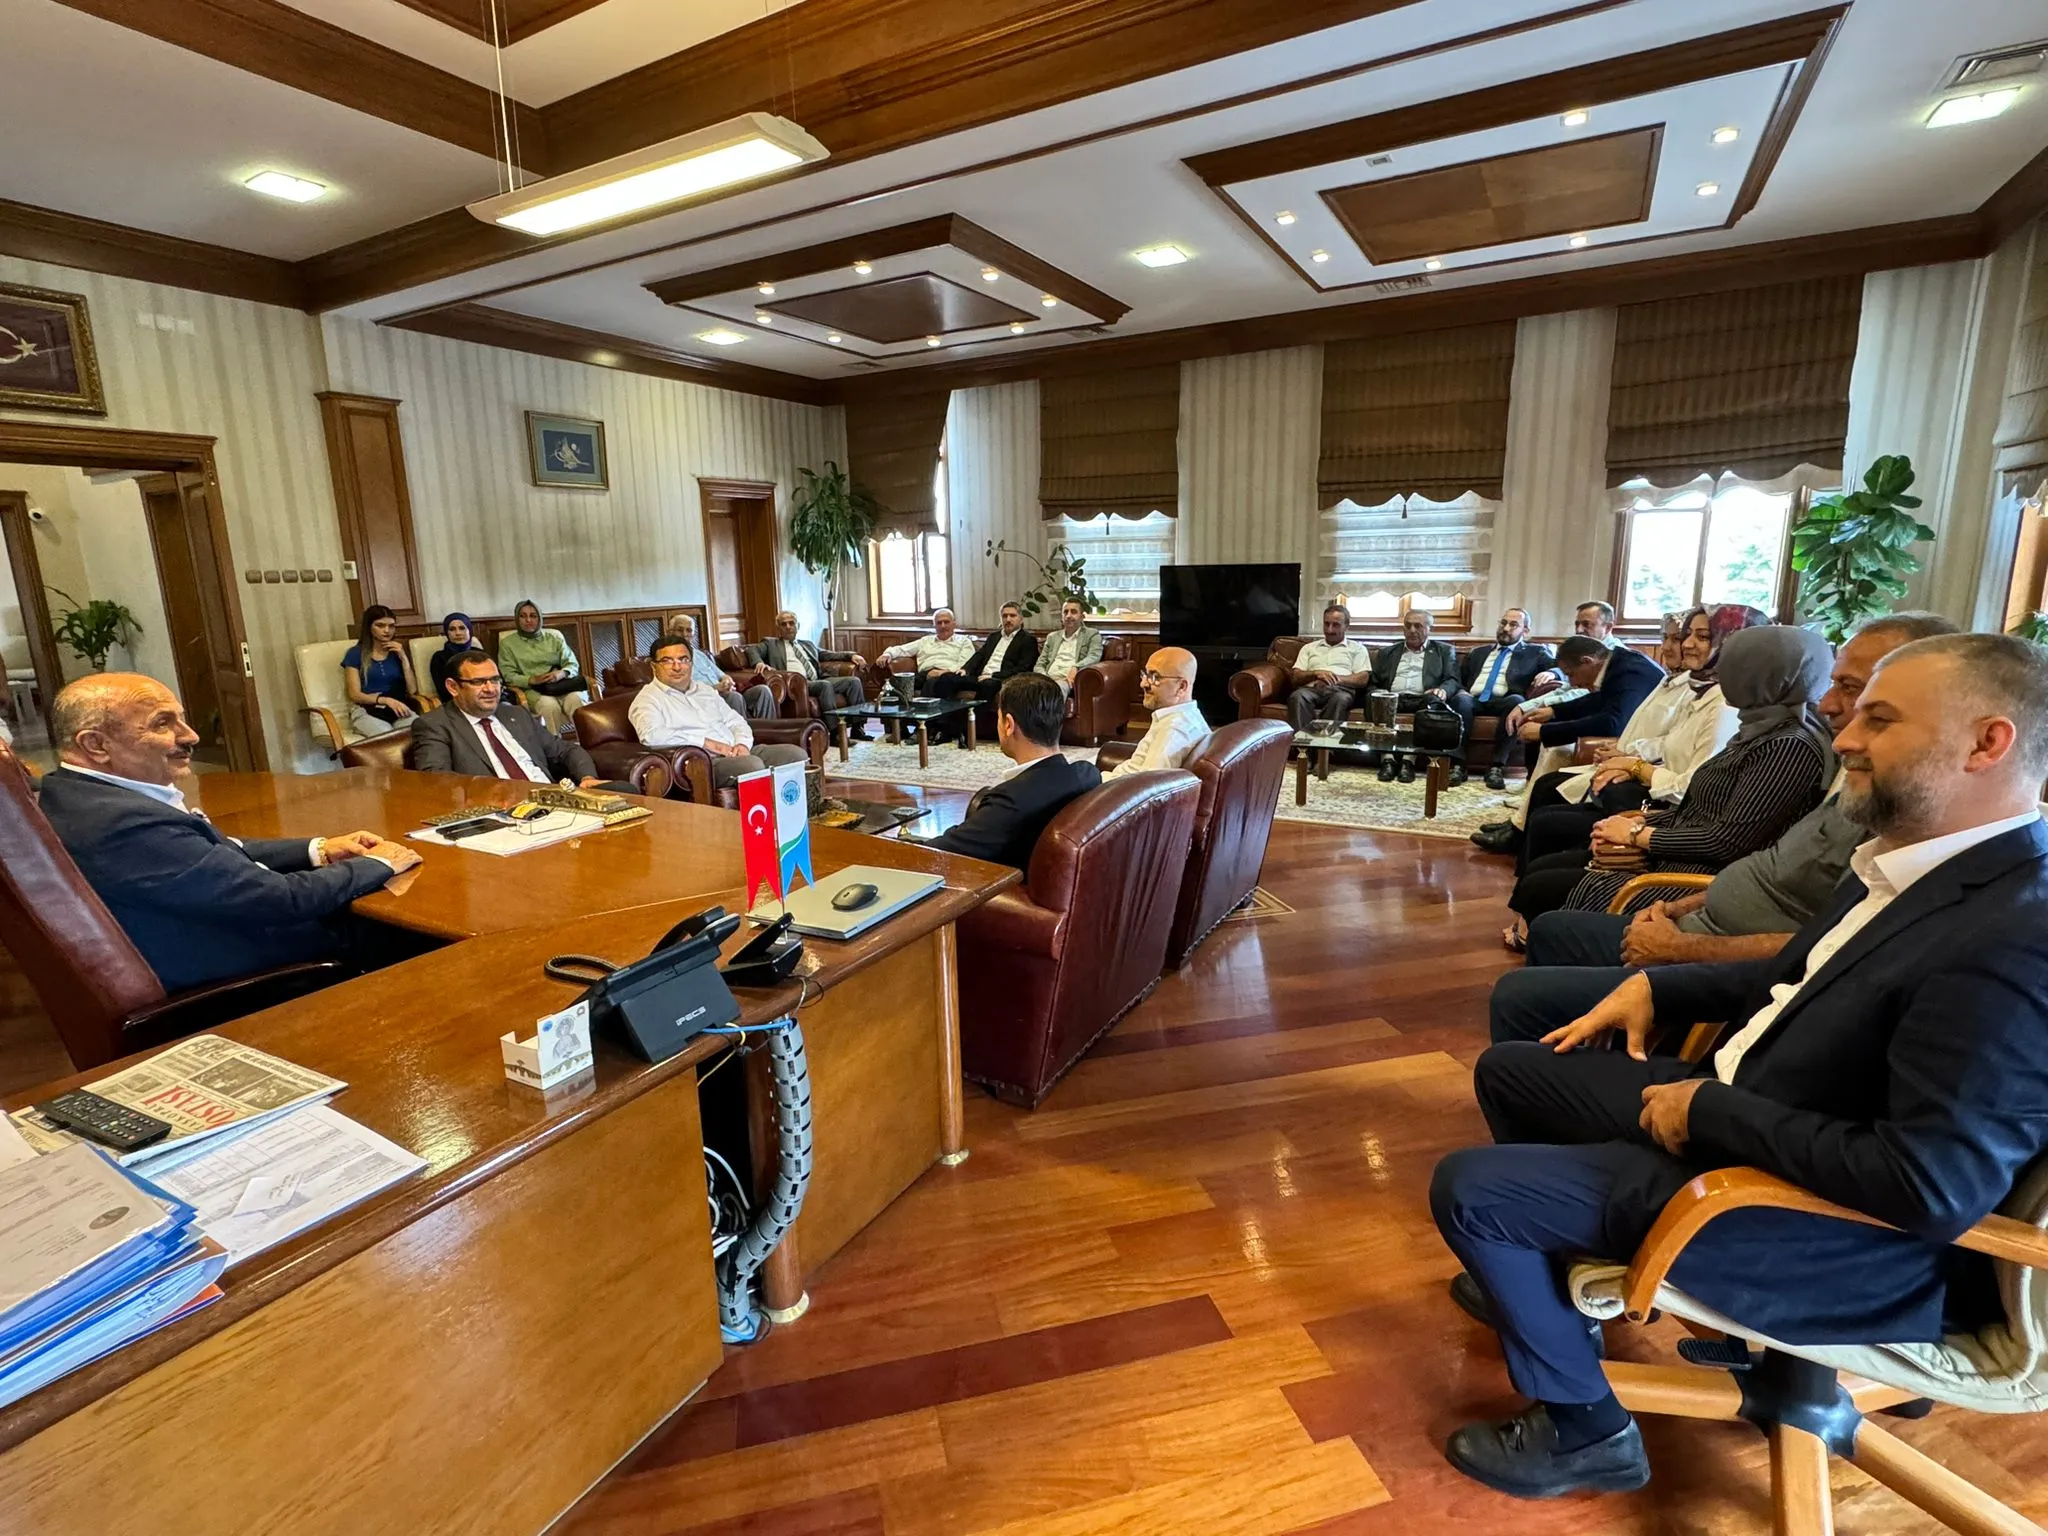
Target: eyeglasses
(671, 661)
(1156, 678)
(479, 682)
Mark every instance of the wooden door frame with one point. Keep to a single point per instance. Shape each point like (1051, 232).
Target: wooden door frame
(27, 570)
(89, 448)
(709, 489)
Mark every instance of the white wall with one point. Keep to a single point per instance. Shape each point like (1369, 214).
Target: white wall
(94, 543)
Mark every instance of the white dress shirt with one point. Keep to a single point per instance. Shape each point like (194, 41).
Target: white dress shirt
(1408, 672)
(994, 664)
(1176, 734)
(1346, 660)
(1063, 653)
(174, 797)
(928, 653)
(686, 717)
(533, 771)
(1887, 875)
(800, 659)
(1673, 728)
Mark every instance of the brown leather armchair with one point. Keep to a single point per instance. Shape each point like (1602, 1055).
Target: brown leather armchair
(1240, 770)
(1047, 968)
(97, 989)
(792, 690)
(605, 727)
(391, 750)
(1104, 696)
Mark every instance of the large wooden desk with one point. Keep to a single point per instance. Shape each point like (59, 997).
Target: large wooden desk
(472, 1350)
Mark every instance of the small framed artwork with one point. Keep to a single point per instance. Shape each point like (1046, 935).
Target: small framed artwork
(46, 356)
(567, 451)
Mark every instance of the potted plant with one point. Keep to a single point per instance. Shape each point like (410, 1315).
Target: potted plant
(830, 519)
(1061, 575)
(95, 628)
(1851, 550)
(2033, 627)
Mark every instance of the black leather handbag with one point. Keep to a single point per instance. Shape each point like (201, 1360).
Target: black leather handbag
(1438, 727)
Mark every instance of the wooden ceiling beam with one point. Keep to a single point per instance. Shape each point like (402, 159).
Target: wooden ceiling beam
(93, 245)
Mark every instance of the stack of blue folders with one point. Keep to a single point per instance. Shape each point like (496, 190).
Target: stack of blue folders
(91, 1257)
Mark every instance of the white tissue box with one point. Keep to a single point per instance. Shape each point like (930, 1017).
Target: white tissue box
(559, 1049)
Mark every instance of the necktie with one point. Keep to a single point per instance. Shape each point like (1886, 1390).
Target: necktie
(502, 751)
(1500, 659)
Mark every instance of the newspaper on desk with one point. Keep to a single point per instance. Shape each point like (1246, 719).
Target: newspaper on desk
(208, 1088)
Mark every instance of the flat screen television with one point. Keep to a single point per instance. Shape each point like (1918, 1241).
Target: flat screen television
(1241, 607)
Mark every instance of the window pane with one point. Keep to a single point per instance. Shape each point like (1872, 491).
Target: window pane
(1123, 557)
(938, 571)
(1409, 544)
(1663, 563)
(1745, 548)
(896, 559)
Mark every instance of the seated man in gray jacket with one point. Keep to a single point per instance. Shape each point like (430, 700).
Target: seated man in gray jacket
(478, 732)
(1069, 648)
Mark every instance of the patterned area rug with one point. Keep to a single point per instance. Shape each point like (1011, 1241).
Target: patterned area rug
(1352, 796)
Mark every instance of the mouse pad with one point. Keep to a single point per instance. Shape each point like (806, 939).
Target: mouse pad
(811, 911)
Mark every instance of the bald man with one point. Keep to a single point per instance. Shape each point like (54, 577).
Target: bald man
(201, 906)
(1178, 730)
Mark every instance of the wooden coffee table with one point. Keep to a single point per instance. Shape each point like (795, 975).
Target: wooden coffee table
(1313, 753)
(894, 717)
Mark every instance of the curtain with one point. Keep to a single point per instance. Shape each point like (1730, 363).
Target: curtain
(1420, 415)
(2022, 437)
(1753, 383)
(892, 452)
(1110, 443)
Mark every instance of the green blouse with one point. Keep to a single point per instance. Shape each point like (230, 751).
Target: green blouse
(521, 658)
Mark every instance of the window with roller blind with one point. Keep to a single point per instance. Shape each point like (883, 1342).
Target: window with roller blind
(1123, 557)
(910, 574)
(1715, 540)
(1407, 552)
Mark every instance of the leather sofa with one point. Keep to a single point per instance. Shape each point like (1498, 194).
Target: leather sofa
(605, 728)
(1240, 770)
(1099, 706)
(1048, 967)
(100, 993)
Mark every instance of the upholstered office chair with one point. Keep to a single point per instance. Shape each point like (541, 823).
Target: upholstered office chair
(391, 750)
(1056, 963)
(1811, 1398)
(1240, 769)
(94, 984)
(325, 699)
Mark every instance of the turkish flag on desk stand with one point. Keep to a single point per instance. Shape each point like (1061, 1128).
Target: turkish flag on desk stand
(757, 835)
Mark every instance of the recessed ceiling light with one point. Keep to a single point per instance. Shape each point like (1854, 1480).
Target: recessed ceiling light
(765, 289)
(1575, 119)
(1318, 256)
(1161, 255)
(931, 341)
(990, 275)
(834, 338)
(745, 148)
(1049, 301)
(721, 337)
(1727, 135)
(762, 317)
(1706, 189)
(1283, 218)
(1432, 265)
(1576, 241)
(293, 189)
(1973, 109)
(863, 268)
(1016, 327)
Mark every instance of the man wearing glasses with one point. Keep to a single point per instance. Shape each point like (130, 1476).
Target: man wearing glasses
(674, 711)
(1178, 730)
(483, 734)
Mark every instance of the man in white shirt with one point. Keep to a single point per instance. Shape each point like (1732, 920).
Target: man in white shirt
(1070, 648)
(1890, 1060)
(943, 650)
(1178, 731)
(1328, 673)
(674, 711)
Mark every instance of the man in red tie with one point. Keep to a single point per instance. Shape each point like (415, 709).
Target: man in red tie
(484, 735)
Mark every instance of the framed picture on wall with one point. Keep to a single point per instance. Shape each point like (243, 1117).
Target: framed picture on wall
(46, 356)
(567, 451)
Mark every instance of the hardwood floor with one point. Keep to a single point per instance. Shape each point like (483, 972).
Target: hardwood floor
(1198, 1292)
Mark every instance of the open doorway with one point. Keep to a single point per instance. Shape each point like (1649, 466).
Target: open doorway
(146, 529)
(742, 559)
(27, 644)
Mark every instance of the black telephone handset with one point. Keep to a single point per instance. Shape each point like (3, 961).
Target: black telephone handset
(769, 957)
(713, 922)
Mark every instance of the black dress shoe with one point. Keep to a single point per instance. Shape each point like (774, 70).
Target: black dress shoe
(1495, 779)
(1458, 775)
(1387, 769)
(1519, 1456)
(1407, 773)
(1506, 839)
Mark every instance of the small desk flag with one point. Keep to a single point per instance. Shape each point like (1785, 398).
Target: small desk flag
(757, 835)
(792, 827)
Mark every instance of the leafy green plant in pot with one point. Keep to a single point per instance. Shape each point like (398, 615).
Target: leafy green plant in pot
(95, 628)
(1061, 575)
(830, 520)
(2033, 627)
(1852, 550)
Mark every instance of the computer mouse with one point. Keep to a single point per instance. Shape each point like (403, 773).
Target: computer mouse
(853, 897)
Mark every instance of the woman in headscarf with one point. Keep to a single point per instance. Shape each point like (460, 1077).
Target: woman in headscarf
(457, 636)
(1774, 770)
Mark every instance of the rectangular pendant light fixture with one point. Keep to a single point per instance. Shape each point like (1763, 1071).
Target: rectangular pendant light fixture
(738, 150)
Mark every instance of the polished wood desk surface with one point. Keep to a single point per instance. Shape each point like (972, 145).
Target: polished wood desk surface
(682, 850)
(418, 1043)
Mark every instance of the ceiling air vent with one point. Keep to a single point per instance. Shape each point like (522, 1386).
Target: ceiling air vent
(1996, 64)
(1406, 284)
(1381, 160)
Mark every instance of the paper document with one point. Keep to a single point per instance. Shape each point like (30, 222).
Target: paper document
(272, 1184)
(61, 1214)
(14, 1147)
(559, 827)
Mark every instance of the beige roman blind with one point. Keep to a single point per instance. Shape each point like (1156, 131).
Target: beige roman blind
(1754, 382)
(1418, 415)
(2022, 437)
(1110, 442)
(892, 452)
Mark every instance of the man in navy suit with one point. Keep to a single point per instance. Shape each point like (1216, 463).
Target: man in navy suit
(1893, 1058)
(1003, 821)
(1498, 678)
(201, 906)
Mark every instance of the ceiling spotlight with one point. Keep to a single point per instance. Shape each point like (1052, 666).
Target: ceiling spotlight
(834, 338)
(1973, 109)
(1727, 135)
(1049, 301)
(1575, 119)
(1706, 189)
(1016, 327)
(1432, 265)
(1318, 256)
(1161, 255)
(863, 268)
(762, 317)
(931, 341)
(764, 289)
(292, 189)
(990, 275)
(1283, 219)
(1576, 241)
(721, 337)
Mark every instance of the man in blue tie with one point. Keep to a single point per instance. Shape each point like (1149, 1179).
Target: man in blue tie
(1498, 678)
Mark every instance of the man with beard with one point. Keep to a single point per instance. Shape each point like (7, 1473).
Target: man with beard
(1893, 1058)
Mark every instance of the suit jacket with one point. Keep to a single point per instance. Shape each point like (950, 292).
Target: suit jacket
(1908, 1080)
(1627, 682)
(200, 906)
(444, 742)
(1439, 666)
(774, 653)
(1091, 649)
(1022, 656)
(1004, 820)
(1528, 661)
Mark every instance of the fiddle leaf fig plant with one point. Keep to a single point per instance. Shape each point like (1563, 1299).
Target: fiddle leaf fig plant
(1852, 550)
(830, 519)
(1061, 575)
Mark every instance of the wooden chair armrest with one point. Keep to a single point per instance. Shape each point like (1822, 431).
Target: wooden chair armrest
(1640, 885)
(335, 739)
(1587, 749)
(424, 702)
(221, 1002)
